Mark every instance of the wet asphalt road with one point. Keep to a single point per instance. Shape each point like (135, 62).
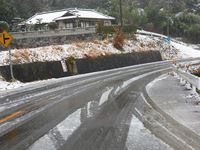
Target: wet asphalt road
(87, 112)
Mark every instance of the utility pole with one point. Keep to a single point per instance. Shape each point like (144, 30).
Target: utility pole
(168, 27)
(121, 15)
(168, 20)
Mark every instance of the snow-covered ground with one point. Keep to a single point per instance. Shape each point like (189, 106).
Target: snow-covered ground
(186, 50)
(144, 41)
(4, 85)
(96, 48)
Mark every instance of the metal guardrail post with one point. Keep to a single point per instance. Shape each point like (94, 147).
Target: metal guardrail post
(193, 88)
(186, 77)
(198, 85)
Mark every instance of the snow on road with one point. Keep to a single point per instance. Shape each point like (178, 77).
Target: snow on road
(4, 85)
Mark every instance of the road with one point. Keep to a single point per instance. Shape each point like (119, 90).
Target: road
(97, 111)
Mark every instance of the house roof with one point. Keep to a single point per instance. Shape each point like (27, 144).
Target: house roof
(45, 17)
(85, 13)
(52, 16)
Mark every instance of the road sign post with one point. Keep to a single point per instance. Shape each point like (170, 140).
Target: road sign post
(5, 40)
(11, 66)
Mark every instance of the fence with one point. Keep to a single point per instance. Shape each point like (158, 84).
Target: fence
(51, 33)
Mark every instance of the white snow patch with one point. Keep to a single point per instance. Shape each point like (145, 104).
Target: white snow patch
(45, 143)
(138, 133)
(186, 51)
(65, 129)
(69, 125)
(105, 96)
(9, 85)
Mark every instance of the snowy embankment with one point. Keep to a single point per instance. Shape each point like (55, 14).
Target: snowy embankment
(186, 50)
(143, 41)
(92, 49)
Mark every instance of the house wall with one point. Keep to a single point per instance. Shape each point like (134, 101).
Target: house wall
(66, 24)
(61, 24)
(82, 23)
(107, 23)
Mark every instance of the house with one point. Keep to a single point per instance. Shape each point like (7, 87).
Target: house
(67, 19)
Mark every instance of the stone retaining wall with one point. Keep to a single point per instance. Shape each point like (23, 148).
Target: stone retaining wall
(46, 70)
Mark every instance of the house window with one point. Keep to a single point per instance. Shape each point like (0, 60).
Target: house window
(91, 23)
(85, 24)
(82, 24)
(107, 23)
(68, 25)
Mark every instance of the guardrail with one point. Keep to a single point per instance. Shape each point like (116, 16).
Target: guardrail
(142, 32)
(188, 77)
(61, 32)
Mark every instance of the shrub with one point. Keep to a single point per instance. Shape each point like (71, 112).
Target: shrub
(193, 33)
(53, 26)
(3, 26)
(106, 29)
(112, 29)
(20, 56)
(119, 39)
(129, 29)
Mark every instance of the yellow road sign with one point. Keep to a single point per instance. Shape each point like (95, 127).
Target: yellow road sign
(5, 39)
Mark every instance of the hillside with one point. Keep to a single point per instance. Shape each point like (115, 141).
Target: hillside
(26, 8)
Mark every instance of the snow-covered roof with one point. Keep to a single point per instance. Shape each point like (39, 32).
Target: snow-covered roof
(85, 13)
(52, 16)
(45, 17)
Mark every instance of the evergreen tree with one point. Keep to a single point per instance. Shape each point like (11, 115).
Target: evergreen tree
(7, 11)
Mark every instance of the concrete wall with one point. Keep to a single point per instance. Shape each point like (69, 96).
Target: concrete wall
(116, 61)
(63, 32)
(47, 70)
(54, 40)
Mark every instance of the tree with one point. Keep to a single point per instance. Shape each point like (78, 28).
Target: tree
(53, 25)
(158, 17)
(139, 17)
(3, 26)
(7, 12)
(193, 33)
(182, 22)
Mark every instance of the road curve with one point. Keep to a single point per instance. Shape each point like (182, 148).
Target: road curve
(86, 112)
